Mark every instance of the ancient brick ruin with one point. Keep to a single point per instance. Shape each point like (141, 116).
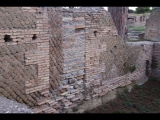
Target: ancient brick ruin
(119, 16)
(137, 19)
(152, 33)
(152, 29)
(57, 60)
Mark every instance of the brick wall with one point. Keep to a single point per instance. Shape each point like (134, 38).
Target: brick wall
(56, 57)
(61, 58)
(25, 62)
(119, 16)
(108, 58)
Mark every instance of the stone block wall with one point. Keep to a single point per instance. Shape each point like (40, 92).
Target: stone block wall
(156, 60)
(73, 24)
(152, 26)
(58, 59)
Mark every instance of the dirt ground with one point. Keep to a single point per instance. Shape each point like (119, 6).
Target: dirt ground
(142, 99)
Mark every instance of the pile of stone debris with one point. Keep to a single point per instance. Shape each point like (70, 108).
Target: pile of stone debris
(9, 106)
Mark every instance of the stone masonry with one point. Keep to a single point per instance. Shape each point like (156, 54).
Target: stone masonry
(55, 60)
(152, 26)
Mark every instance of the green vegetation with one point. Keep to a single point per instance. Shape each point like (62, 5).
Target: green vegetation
(142, 99)
(129, 68)
(75, 109)
(131, 11)
(127, 103)
(122, 95)
(137, 86)
(138, 29)
(132, 68)
(131, 26)
(131, 40)
(141, 10)
(157, 102)
(142, 108)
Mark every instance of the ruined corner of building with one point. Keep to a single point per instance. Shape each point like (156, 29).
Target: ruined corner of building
(58, 60)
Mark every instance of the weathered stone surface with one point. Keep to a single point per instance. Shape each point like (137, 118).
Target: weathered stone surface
(56, 67)
(152, 26)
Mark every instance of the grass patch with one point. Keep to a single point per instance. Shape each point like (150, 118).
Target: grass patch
(156, 102)
(141, 95)
(127, 103)
(139, 40)
(142, 108)
(154, 90)
(142, 99)
(137, 29)
(122, 95)
(137, 86)
(131, 26)
(131, 40)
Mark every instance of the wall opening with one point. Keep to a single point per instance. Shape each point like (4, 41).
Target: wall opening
(115, 47)
(95, 33)
(7, 38)
(34, 37)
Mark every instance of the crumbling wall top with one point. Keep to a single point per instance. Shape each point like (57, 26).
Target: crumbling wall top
(84, 9)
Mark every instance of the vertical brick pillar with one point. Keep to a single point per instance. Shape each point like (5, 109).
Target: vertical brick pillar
(119, 16)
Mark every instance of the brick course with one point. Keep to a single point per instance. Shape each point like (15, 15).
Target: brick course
(76, 56)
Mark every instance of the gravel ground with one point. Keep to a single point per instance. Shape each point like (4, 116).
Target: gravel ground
(10, 106)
